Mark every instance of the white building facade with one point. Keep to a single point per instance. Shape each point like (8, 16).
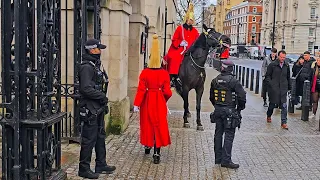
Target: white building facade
(239, 19)
(296, 22)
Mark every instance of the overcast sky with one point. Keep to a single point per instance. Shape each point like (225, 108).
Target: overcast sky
(213, 1)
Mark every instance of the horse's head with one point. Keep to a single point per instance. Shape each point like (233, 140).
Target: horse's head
(216, 39)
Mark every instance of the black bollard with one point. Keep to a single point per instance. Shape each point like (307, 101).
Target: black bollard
(243, 75)
(247, 78)
(237, 71)
(239, 78)
(251, 79)
(306, 97)
(257, 82)
(292, 95)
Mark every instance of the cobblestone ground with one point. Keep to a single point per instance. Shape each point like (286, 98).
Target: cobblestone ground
(264, 151)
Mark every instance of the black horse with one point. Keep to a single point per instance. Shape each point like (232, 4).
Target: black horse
(192, 72)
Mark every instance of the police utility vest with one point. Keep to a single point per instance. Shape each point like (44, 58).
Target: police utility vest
(98, 76)
(223, 94)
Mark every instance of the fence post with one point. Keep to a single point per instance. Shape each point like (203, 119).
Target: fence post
(251, 79)
(305, 104)
(247, 78)
(237, 71)
(239, 78)
(243, 75)
(257, 82)
(292, 95)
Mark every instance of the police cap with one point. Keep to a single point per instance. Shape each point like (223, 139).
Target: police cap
(94, 43)
(227, 63)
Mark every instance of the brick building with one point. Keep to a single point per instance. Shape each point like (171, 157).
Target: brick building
(246, 19)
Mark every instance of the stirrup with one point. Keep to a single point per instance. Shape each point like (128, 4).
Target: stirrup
(179, 81)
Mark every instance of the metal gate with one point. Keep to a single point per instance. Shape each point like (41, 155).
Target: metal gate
(34, 112)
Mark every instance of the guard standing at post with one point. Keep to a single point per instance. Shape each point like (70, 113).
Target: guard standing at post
(93, 106)
(228, 98)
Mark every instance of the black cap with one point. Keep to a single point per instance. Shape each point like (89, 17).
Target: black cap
(94, 43)
(227, 63)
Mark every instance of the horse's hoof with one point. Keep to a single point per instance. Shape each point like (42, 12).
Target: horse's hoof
(186, 125)
(189, 115)
(200, 128)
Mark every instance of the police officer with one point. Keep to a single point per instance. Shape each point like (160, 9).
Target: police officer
(92, 110)
(228, 98)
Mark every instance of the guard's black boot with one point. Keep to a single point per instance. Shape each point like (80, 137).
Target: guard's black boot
(265, 104)
(147, 150)
(156, 158)
(231, 165)
(88, 174)
(105, 169)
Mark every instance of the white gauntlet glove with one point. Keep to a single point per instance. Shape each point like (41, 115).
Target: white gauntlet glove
(136, 109)
(184, 43)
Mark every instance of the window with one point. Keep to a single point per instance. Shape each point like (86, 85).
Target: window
(313, 13)
(311, 31)
(228, 2)
(253, 19)
(253, 30)
(310, 46)
(254, 10)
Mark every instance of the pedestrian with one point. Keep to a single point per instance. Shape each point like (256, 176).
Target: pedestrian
(184, 36)
(153, 92)
(92, 104)
(228, 98)
(267, 60)
(315, 86)
(278, 80)
(296, 70)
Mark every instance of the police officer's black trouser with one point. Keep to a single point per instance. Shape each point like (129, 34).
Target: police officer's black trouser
(93, 136)
(222, 151)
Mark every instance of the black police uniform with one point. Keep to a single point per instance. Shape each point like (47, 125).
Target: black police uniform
(229, 98)
(92, 110)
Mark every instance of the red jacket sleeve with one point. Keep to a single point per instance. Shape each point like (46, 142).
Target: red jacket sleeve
(177, 37)
(141, 90)
(167, 93)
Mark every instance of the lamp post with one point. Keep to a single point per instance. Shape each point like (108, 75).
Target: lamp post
(274, 21)
(315, 36)
(238, 33)
(165, 30)
(203, 4)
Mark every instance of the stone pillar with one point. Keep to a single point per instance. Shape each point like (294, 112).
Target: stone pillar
(136, 59)
(117, 60)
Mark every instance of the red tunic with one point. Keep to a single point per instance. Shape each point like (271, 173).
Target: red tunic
(174, 56)
(152, 95)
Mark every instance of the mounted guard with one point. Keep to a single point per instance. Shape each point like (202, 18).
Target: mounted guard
(184, 36)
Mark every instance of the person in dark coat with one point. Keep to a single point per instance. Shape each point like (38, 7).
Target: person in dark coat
(296, 70)
(278, 79)
(92, 104)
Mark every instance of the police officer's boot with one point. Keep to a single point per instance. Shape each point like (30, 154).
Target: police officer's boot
(105, 169)
(88, 174)
(231, 165)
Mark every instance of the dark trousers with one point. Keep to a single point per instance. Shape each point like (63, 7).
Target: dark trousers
(222, 151)
(93, 136)
(284, 111)
(264, 90)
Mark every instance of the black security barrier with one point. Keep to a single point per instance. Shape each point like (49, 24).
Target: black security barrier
(240, 73)
(251, 79)
(247, 77)
(292, 95)
(306, 100)
(257, 82)
(236, 71)
(243, 75)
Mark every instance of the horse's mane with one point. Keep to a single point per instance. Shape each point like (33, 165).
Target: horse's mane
(199, 43)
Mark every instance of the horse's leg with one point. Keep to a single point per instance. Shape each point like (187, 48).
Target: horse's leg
(185, 96)
(199, 92)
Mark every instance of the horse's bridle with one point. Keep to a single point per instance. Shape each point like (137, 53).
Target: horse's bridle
(208, 36)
